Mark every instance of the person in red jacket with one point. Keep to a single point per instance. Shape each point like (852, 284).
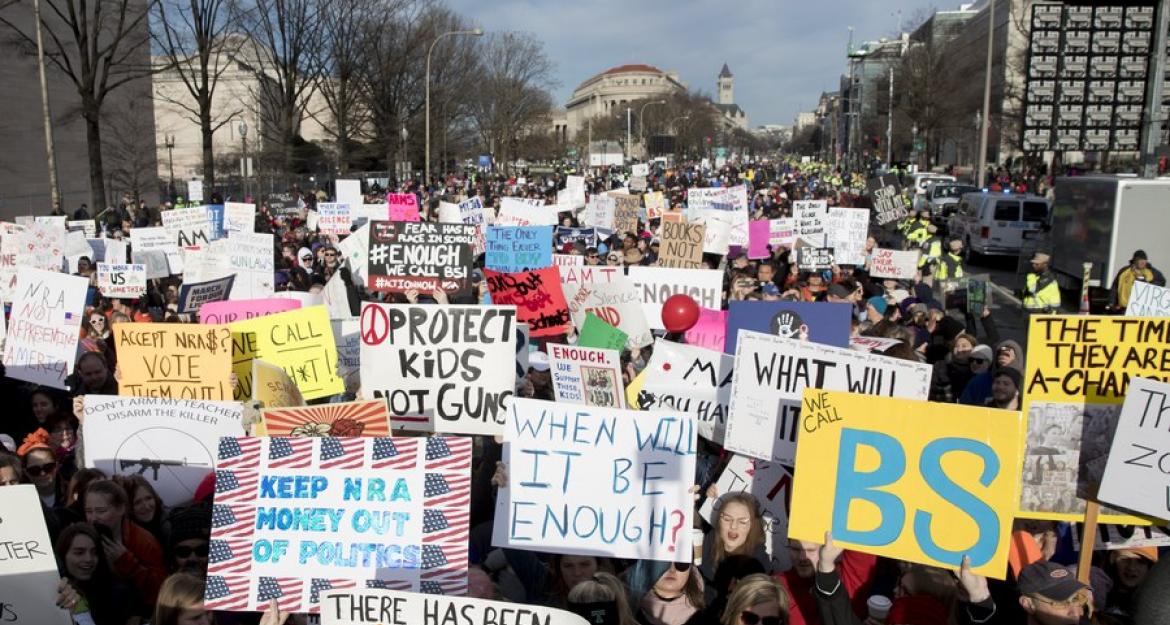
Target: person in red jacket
(132, 552)
(856, 570)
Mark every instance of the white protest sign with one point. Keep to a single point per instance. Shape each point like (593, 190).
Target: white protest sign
(246, 255)
(369, 212)
(169, 442)
(771, 375)
(350, 192)
(811, 217)
(354, 249)
(771, 484)
(195, 190)
(657, 284)
(86, 226)
(46, 322)
(373, 606)
(333, 218)
(516, 211)
(595, 481)
(599, 211)
(726, 204)
(336, 298)
(76, 245)
(10, 244)
(239, 217)
(717, 236)
(121, 281)
(188, 227)
(690, 379)
(312, 218)
(193, 295)
(585, 375)
(147, 239)
(568, 260)
(617, 303)
(43, 246)
(28, 570)
(347, 336)
(640, 169)
(438, 367)
(872, 343)
(1148, 300)
(1133, 478)
(895, 264)
(116, 252)
(847, 230)
(1111, 536)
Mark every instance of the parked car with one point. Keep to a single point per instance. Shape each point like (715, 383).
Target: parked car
(998, 224)
(942, 198)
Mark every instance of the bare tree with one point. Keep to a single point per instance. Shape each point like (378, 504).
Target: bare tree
(392, 76)
(192, 36)
(130, 143)
(345, 25)
(100, 45)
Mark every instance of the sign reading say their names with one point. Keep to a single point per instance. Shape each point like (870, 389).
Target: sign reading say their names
(910, 480)
(1133, 478)
(41, 345)
(374, 606)
(424, 256)
(174, 361)
(582, 375)
(28, 575)
(595, 481)
(765, 413)
(895, 264)
(439, 367)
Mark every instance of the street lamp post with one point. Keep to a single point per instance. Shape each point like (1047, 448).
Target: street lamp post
(402, 167)
(244, 163)
(676, 119)
(46, 118)
(478, 32)
(642, 118)
(170, 143)
(983, 130)
(628, 118)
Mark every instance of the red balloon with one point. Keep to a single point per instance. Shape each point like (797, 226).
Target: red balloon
(680, 313)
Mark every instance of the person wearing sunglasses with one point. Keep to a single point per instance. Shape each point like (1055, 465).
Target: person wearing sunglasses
(189, 539)
(88, 583)
(667, 593)
(40, 467)
(757, 600)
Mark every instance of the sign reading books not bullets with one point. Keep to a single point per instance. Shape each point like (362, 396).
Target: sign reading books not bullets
(295, 516)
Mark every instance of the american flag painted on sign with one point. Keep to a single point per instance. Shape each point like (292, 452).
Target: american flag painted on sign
(233, 486)
(286, 591)
(237, 452)
(440, 493)
(232, 555)
(318, 585)
(226, 593)
(290, 453)
(394, 453)
(232, 520)
(342, 453)
(389, 584)
(448, 452)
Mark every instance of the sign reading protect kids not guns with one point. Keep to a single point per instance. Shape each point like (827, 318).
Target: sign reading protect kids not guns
(595, 481)
(296, 516)
(174, 361)
(905, 479)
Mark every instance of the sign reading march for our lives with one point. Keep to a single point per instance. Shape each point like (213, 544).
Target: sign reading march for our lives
(691, 379)
(373, 606)
(193, 296)
(296, 516)
(174, 361)
(582, 375)
(1133, 477)
(655, 285)
(771, 484)
(41, 344)
(298, 341)
(597, 481)
(169, 442)
(1148, 300)
(772, 373)
(28, 572)
(911, 480)
(518, 248)
(439, 368)
(406, 255)
(537, 296)
(826, 323)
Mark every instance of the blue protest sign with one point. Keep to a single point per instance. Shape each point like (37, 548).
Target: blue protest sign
(215, 213)
(818, 322)
(518, 248)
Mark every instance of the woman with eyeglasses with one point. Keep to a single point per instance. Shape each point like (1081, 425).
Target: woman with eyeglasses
(757, 600)
(738, 530)
(87, 582)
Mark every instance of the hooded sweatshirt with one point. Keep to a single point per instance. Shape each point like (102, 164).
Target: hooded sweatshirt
(978, 390)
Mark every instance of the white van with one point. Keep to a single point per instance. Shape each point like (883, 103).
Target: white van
(997, 224)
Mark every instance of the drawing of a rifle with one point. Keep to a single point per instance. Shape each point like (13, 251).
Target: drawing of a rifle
(155, 465)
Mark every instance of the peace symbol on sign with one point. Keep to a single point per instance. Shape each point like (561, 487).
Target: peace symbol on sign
(375, 325)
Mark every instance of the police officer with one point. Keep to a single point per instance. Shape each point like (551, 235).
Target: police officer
(919, 232)
(932, 249)
(1041, 292)
(950, 264)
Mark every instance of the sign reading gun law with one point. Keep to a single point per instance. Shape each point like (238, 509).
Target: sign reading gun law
(28, 573)
(440, 368)
(1075, 381)
(171, 443)
(772, 374)
(298, 341)
(692, 379)
(294, 516)
(371, 606)
(1133, 477)
(581, 375)
(910, 480)
(41, 344)
(597, 481)
(405, 255)
(175, 361)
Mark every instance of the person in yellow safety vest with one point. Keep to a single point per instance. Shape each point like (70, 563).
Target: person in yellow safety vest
(919, 231)
(932, 249)
(1041, 292)
(1139, 269)
(950, 264)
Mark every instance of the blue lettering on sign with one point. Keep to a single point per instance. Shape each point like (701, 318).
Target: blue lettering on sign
(292, 487)
(852, 484)
(986, 520)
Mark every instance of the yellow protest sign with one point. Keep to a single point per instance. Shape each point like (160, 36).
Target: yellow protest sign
(907, 479)
(298, 341)
(634, 388)
(272, 387)
(174, 361)
(1078, 370)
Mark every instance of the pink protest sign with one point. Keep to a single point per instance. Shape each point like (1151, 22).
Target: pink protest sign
(241, 309)
(710, 331)
(403, 206)
(765, 232)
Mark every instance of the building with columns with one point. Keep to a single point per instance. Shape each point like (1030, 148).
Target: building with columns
(608, 92)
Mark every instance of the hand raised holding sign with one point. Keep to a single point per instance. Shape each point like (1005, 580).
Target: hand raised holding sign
(827, 555)
(972, 587)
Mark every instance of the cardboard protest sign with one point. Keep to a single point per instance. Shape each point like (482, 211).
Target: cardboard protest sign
(333, 218)
(294, 516)
(771, 484)
(239, 217)
(599, 211)
(826, 323)
(354, 250)
(373, 606)
(846, 232)
(439, 367)
(515, 211)
(682, 245)
(815, 258)
(43, 246)
(617, 302)
(169, 442)
(44, 327)
(584, 236)
(28, 573)
(810, 218)
(88, 227)
(888, 204)
(403, 206)
(1076, 377)
(298, 341)
(911, 480)
(1132, 478)
(187, 227)
(273, 388)
(115, 252)
(349, 192)
(773, 372)
(355, 418)
(657, 284)
(1148, 300)
(518, 248)
(424, 256)
(710, 331)
(716, 233)
(192, 295)
(151, 239)
(597, 333)
(692, 379)
(896, 264)
(627, 469)
(121, 281)
(236, 310)
(174, 361)
(770, 233)
(535, 294)
(626, 211)
(584, 375)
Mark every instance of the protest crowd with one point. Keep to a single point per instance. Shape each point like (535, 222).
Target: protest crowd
(766, 393)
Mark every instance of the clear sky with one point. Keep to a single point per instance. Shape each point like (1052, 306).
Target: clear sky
(783, 53)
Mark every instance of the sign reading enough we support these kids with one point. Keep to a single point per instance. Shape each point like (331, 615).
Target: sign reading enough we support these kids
(295, 516)
(597, 481)
(910, 480)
